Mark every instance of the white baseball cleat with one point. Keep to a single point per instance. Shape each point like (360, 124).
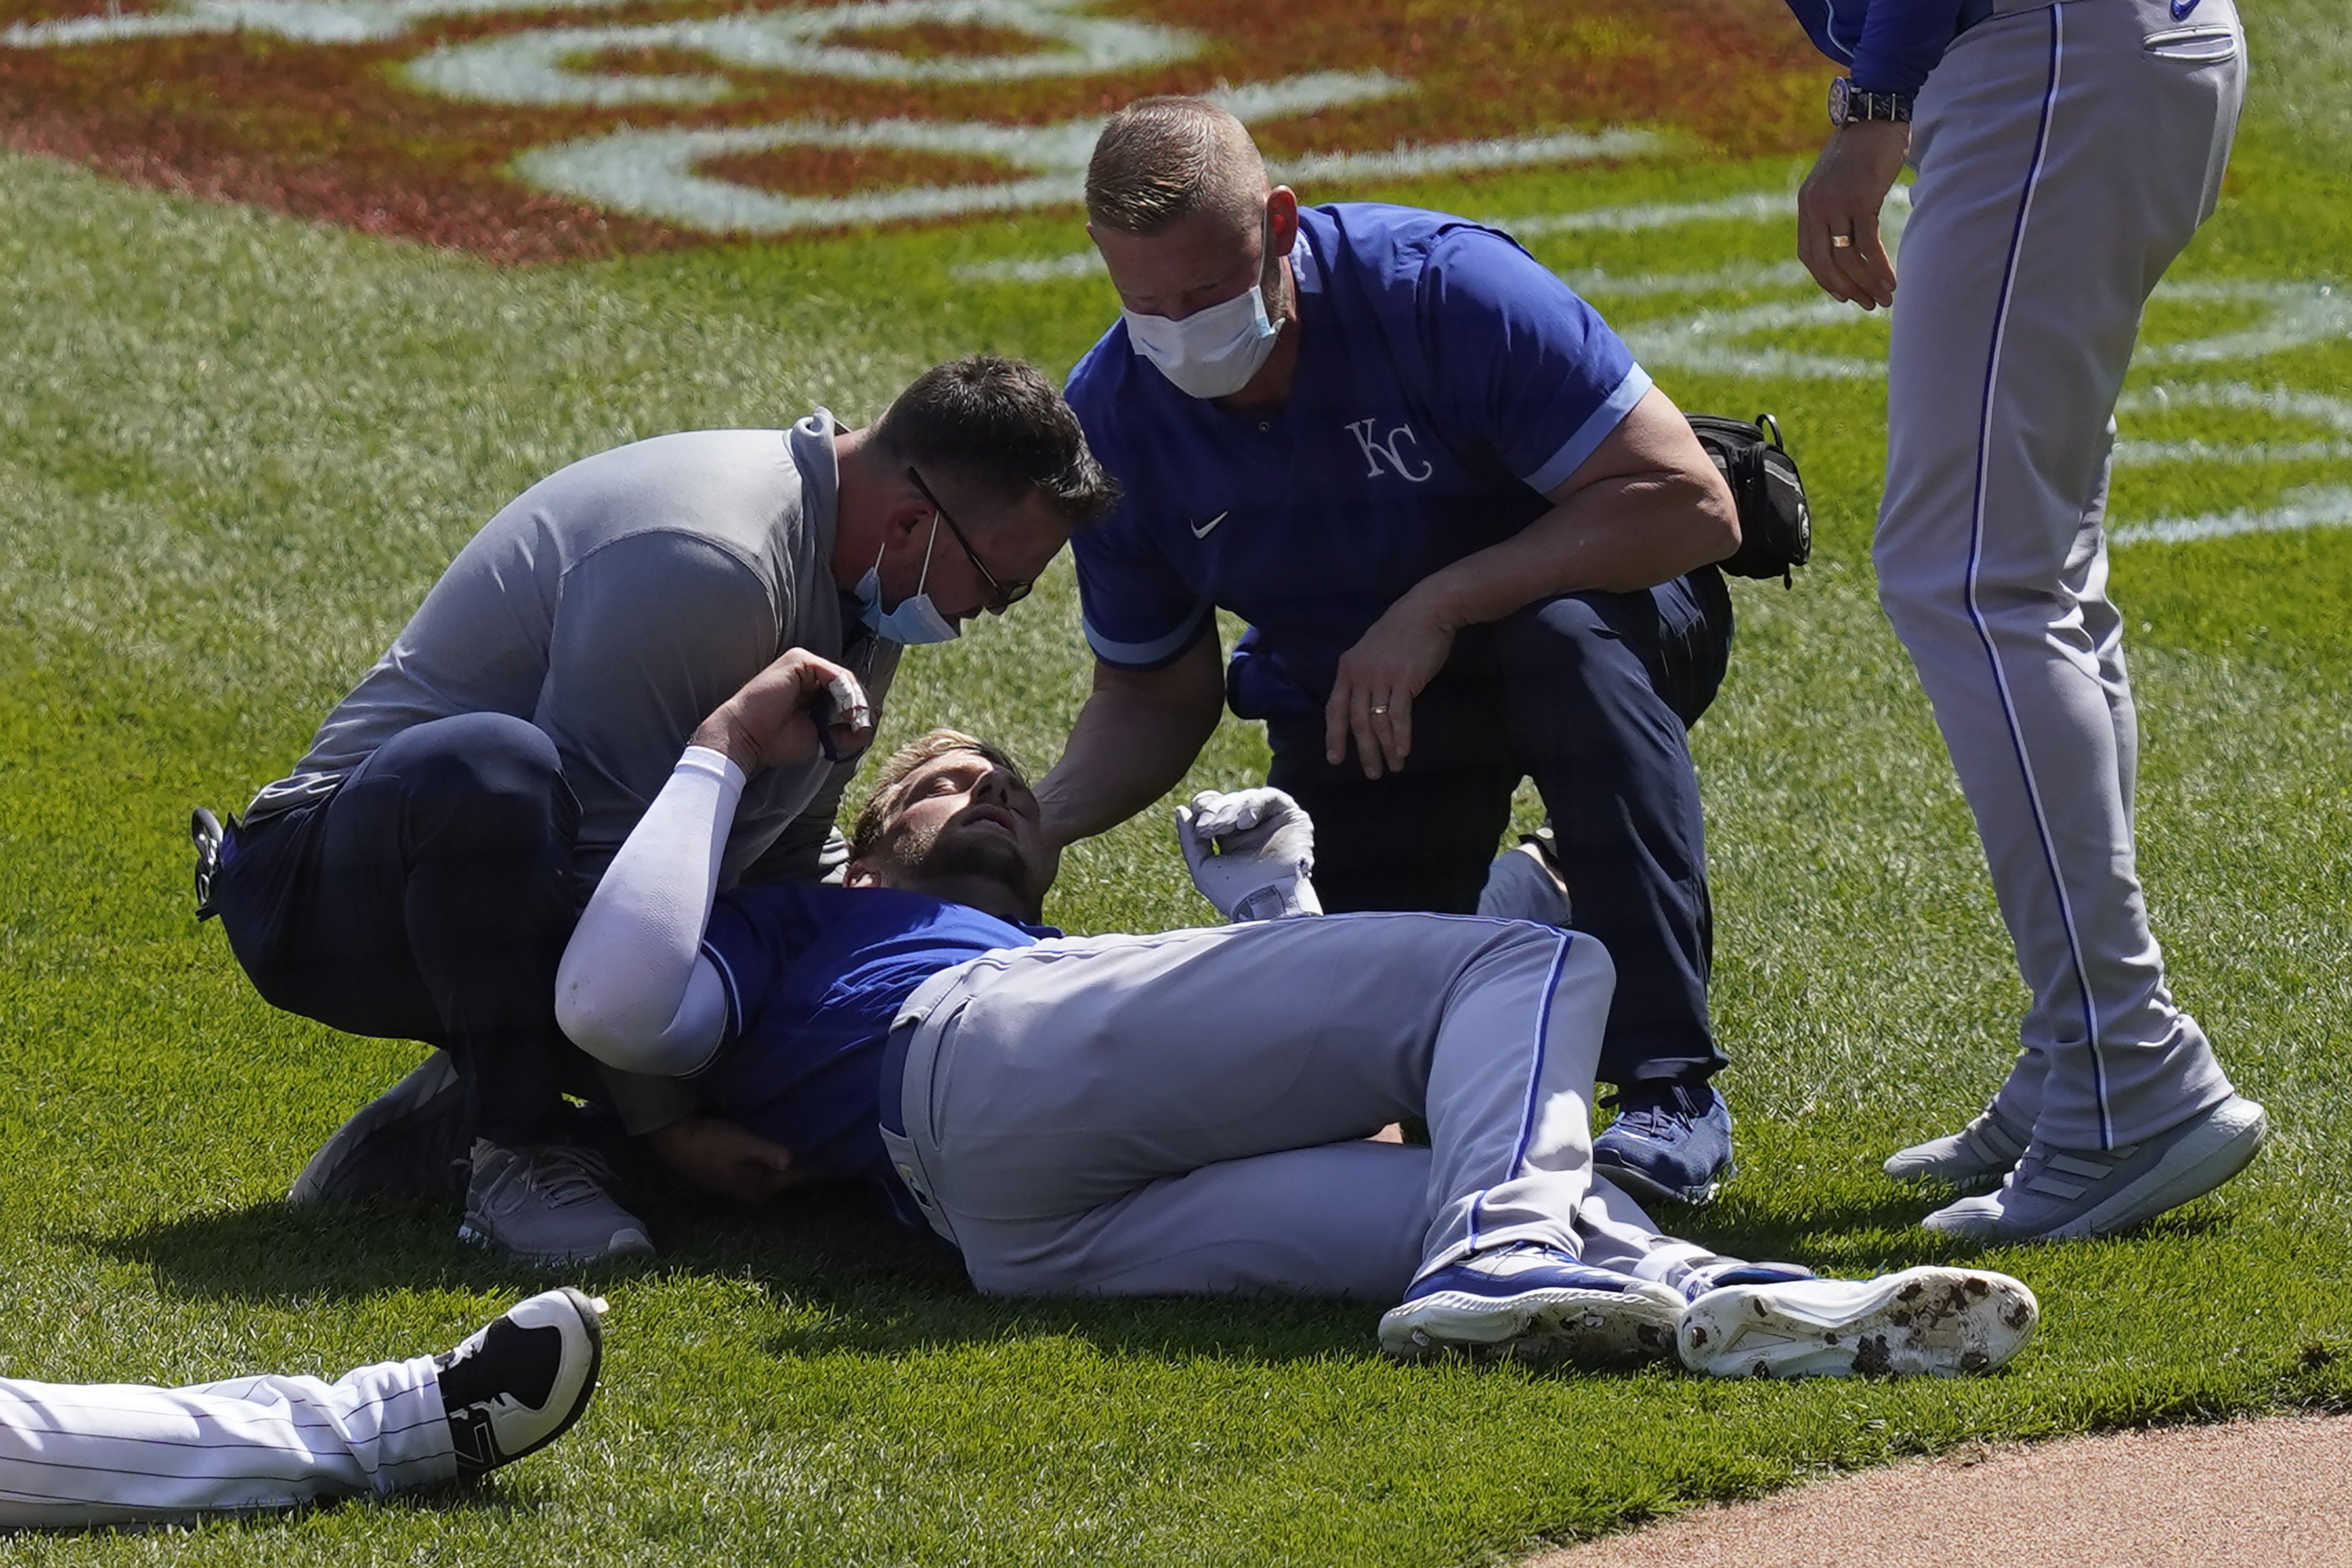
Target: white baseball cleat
(1928, 1322)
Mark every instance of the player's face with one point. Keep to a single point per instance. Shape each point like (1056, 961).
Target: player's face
(962, 816)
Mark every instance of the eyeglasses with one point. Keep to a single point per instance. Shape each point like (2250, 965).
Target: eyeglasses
(1006, 594)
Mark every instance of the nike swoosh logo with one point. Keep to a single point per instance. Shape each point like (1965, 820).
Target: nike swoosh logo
(1201, 530)
(2180, 9)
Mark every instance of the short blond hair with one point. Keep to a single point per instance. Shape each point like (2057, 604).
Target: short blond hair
(890, 783)
(1161, 160)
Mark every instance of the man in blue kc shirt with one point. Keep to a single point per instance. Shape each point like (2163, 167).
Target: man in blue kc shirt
(1473, 543)
(1183, 1112)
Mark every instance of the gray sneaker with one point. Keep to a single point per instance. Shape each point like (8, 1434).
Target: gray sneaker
(2056, 1194)
(547, 1204)
(409, 1145)
(1970, 1161)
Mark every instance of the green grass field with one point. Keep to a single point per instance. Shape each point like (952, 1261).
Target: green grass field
(235, 450)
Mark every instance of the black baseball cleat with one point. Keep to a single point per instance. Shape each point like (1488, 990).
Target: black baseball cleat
(204, 829)
(517, 1384)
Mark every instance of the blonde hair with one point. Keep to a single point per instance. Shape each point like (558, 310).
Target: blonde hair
(1161, 160)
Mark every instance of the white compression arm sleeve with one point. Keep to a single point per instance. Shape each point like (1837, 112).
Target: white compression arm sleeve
(633, 990)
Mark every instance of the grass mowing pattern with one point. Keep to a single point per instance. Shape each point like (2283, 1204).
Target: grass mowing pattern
(234, 450)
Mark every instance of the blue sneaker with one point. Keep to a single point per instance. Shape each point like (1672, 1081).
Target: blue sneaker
(1671, 1141)
(1535, 1304)
(1934, 1322)
(1725, 1272)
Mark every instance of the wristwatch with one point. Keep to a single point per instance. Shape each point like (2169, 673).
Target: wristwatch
(1846, 105)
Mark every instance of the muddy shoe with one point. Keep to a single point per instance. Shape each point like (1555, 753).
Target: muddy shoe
(1934, 1322)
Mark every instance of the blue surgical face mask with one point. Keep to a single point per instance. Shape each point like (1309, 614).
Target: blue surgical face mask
(1211, 352)
(916, 620)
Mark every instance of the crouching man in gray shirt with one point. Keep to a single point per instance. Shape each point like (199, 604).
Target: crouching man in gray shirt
(419, 872)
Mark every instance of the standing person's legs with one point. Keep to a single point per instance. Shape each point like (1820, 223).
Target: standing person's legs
(2063, 161)
(429, 897)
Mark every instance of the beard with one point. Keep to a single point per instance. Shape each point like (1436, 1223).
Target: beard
(943, 856)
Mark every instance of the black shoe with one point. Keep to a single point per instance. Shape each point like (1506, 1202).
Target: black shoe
(205, 828)
(520, 1384)
(412, 1143)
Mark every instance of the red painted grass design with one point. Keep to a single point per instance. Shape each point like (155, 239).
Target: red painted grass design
(331, 132)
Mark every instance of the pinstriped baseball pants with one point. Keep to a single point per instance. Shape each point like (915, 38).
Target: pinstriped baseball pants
(2065, 154)
(1186, 1113)
(74, 1454)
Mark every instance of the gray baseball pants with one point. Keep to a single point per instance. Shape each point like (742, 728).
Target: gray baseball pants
(75, 1454)
(2065, 154)
(1187, 1113)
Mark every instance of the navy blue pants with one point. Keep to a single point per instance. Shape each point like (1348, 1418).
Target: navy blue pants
(427, 899)
(1591, 695)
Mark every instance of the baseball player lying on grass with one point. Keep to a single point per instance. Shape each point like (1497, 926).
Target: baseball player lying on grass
(76, 1455)
(1186, 1112)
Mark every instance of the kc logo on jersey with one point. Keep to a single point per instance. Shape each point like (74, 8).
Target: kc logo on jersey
(1391, 449)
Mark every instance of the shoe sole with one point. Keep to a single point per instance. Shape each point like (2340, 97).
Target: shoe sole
(2233, 1132)
(1936, 1322)
(626, 1247)
(1584, 1328)
(1641, 1189)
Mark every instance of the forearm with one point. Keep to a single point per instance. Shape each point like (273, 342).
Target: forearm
(1132, 742)
(633, 989)
(1616, 535)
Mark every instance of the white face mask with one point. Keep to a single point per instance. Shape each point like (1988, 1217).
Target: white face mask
(916, 620)
(1211, 352)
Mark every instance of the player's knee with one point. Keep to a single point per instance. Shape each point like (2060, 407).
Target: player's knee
(1587, 961)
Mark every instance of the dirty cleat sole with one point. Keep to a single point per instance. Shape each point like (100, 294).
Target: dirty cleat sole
(1928, 1322)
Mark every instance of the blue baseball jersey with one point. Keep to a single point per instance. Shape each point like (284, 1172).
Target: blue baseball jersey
(1887, 46)
(815, 975)
(1445, 381)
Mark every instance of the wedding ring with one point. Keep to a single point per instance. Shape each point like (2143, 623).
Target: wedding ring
(1841, 242)
(1380, 708)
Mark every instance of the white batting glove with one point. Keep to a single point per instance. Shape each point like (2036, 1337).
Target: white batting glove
(1250, 852)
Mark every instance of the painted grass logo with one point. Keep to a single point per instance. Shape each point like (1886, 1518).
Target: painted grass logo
(528, 129)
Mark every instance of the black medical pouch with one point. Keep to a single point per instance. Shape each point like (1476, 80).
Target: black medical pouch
(1776, 526)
